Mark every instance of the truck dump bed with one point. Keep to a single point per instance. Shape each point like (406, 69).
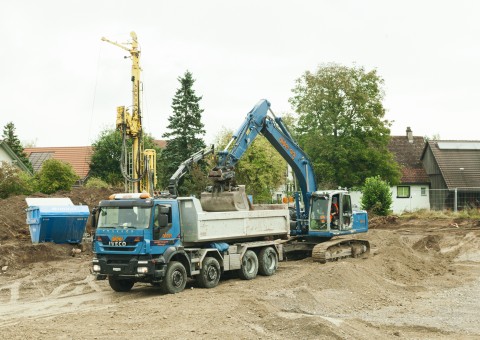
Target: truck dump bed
(199, 226)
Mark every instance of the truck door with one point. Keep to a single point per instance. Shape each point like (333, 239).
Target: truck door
(166, 229)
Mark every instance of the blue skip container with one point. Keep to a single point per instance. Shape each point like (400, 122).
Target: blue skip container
(59, 224)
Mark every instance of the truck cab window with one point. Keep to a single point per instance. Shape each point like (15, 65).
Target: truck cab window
(162, 220)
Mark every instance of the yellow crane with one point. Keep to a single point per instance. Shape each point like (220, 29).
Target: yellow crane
(139, 169)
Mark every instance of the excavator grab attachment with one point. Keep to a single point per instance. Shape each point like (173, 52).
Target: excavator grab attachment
(225, 200)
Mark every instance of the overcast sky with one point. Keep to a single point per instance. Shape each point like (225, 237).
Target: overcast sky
(60, 84)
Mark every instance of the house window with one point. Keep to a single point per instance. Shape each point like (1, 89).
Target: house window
(423, 191)
(403, 192)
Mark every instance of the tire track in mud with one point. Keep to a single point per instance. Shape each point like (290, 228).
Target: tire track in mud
(66, 298)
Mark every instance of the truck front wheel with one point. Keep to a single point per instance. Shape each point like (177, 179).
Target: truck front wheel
(209, 274)
(267, 261)
(175, 278)
(249, 268)
(120, 285)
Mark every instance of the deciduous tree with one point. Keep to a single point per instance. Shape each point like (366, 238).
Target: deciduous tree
(107, 149)
(342, 127)
(55, 175)
(376, 196)
(261, 169)
(14, 181)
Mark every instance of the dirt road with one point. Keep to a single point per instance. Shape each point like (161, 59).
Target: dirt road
(422, 281)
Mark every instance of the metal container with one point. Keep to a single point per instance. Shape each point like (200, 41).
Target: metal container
(199, 226)
(59, 224)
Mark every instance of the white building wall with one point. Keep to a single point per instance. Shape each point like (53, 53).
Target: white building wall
(400, 205)
(415, 202)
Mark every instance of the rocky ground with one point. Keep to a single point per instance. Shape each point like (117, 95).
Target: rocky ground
(421, 281)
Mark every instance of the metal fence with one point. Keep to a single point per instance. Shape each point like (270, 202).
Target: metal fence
(455, 200)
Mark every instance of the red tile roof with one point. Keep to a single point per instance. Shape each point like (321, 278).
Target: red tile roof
(77, 156)
(161, 143)
(407, 154)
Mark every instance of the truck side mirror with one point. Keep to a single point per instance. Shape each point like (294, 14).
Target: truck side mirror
(162, 220)
(94, 217)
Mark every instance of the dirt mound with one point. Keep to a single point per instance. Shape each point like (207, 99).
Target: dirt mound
(382, 221)
(16, 248)
(430, 242)
(20, 254)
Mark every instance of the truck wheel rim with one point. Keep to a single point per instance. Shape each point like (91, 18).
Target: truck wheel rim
(211, 274)
(271, 261)
(250, 266)
(177, 278)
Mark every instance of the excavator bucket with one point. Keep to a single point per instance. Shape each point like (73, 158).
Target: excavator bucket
(225, 201)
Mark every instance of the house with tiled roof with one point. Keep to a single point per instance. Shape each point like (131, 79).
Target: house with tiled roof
(7, 155)
(161, 143)
(413, 191)
(453, 167)
(77, 156)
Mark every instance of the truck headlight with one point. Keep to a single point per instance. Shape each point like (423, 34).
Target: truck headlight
(142, 270)
(96, 268)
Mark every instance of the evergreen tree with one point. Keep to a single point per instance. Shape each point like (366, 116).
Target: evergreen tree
(13, 142)
(185, 135)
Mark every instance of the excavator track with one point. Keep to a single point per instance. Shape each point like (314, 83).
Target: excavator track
(340, 248)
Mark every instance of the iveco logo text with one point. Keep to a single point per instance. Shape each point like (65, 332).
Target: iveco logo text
(117, 244)
(117, 241)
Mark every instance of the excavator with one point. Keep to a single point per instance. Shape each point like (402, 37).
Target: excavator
(322, 222)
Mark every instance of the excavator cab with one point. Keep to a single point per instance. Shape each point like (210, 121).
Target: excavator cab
(330, 210)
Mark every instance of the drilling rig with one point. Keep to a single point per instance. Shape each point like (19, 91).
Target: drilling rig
(138, 167)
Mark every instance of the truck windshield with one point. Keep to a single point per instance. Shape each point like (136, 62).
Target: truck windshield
(318, 215)
(124, 217)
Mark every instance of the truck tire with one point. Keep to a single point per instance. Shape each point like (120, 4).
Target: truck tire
(209, 274)
(267, 261)
(120, 285)
(249, 268)
(175, 278)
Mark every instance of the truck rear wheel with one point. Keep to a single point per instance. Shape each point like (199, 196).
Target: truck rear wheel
(175, 278)
(267, 261)
(249, 268)
(209, 274)
(120, 285)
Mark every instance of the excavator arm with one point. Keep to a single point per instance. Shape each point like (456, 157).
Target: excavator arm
(258, 121)
(184, 168)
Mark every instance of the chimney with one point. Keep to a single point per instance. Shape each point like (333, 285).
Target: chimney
(409, 135)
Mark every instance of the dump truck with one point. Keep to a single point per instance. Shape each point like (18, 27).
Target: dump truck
(164, 241)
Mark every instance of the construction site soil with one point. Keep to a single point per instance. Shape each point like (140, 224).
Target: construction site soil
(421, 281)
